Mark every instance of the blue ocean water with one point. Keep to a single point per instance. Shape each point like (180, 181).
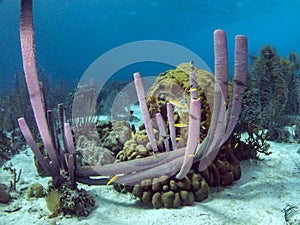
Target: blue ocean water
(70, 35)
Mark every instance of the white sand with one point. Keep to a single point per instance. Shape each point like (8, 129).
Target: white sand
(259, 197)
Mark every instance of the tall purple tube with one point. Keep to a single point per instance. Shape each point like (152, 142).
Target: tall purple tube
(162, 131)
(144, 109)
(33, 86)
(193, 136)
(171, 122)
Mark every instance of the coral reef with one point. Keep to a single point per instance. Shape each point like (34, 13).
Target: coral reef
(61, 162)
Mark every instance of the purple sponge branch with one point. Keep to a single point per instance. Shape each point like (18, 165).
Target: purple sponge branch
(71, 165)
(45, 163)
(69, 138)
(55, 139)
(144, 110)
(168, 169)
(216, 129)
(51, 122)
(218, 122)
(171, 122)
(132, 166)
(193, 135)
(29, 65)
(162, 130)
(133, 172)
(70, 155)
(239, 79)
(221, 61)
(193, 85)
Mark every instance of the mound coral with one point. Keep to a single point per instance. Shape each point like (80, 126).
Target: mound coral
(35, 190)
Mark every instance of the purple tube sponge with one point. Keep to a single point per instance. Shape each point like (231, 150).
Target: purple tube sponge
(162, 131)
(45, 163)
(193, 85)
(221, 62)
(218, 123)
(144, 109)
(193, 136)
(171, 122)
(239, 79)
(33, 86)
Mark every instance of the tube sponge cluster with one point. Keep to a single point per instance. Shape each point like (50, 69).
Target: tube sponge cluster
(176, 191)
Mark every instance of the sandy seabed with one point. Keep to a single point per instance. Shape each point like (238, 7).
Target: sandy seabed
(265, 189)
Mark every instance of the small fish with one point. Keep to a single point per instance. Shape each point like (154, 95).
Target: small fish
(236, 145)
(191, 155)
(112, 179)
(203, 127)
(178, 138)
(180, 125)
(192, 89)
(132, 135)
(176, 103)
